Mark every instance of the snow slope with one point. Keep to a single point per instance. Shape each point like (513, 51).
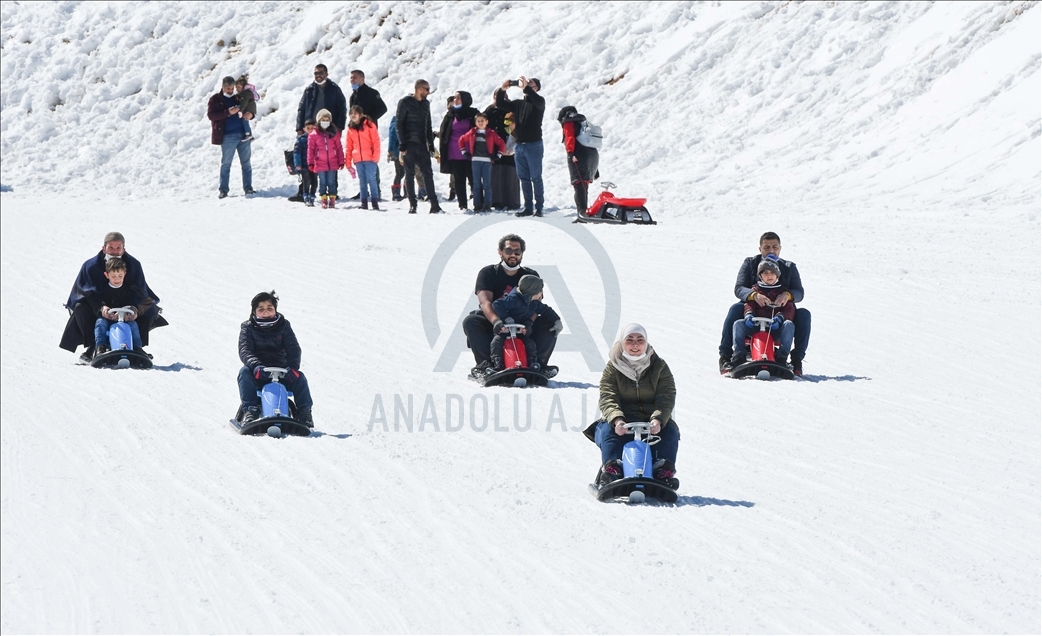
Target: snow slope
(895, 148)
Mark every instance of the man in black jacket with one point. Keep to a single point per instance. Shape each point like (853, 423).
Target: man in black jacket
(528, 131)
(770, 247)
(416, 136)
(91, 279)
(322, 93)
(369, 100)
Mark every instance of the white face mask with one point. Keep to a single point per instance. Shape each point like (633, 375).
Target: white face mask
(509, 268)
(634, 358)
(324, 124)
(321, 83)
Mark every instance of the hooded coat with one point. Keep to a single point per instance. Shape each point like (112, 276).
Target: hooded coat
(325, 150)
(465, 111)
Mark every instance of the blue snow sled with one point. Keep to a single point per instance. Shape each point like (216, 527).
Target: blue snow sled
(277, 411)
(637, 483)
(121, 343)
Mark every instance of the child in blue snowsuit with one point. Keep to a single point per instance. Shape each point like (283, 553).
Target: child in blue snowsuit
(268, 339)
(520, 306)
(300, 163)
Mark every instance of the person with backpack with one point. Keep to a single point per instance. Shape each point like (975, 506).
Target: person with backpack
(580, 139)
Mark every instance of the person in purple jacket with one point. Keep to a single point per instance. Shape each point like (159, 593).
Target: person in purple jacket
(457, 123)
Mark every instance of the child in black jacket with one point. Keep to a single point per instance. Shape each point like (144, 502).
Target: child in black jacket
(268, 339)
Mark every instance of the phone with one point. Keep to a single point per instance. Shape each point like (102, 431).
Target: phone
(514, 83)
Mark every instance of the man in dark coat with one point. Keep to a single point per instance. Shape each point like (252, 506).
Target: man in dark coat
(770, 244)
(80, 328)
(369, 100)
(416, 137)
(494, 282)
(228, 132)
(528, 131)
(322, 93)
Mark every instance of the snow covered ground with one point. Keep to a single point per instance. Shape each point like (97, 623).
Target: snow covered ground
(893, 146)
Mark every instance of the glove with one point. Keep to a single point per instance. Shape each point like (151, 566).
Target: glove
(497, 326)
(354, 173)
(749, 322)
(499, 156)
(292, 373)
(466, 155)
(311, 167)
(258, 372)
(558, 327)
(777, 322)
(509, 320)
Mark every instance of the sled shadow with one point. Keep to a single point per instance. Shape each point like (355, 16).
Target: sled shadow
(835, 378)
(177, 366)
(321, 434)
(709, 501)
(570, 385)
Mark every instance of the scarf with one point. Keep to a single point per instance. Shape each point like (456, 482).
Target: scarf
(632, 369)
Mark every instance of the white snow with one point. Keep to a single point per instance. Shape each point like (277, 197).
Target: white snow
(893, 146)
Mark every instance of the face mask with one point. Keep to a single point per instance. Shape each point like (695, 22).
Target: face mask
(321, 83)
(354, 87)
(324, 124)
(457, 106)
(634, 358)
(511, 269)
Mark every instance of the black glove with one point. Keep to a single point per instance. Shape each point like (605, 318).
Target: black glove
(497, 326)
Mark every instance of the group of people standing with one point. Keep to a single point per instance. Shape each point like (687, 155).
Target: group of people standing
(496, 154)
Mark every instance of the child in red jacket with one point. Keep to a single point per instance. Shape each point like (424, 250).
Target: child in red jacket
(483, 147)
(768, 284)
(325, 156)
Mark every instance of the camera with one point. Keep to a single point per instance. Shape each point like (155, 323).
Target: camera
(514, 82)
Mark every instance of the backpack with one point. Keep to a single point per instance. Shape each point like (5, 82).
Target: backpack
(590, 134)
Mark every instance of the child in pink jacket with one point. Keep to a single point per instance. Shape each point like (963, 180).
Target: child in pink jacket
(325, 156)
(363, 153)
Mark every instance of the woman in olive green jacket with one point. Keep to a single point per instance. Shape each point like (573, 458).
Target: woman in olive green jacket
(636, 386)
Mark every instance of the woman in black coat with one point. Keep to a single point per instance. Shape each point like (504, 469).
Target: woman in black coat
(457, 122)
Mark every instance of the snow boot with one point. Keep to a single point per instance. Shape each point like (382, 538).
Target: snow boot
(304, 417)
(610, 472)
(365, 204)
(396, 193)
(497, 364)
(325, 202)
(101, 349)
(797, 366)
(376, 205)
(250, 414)
(332, 201)
(737, 359)
(87, 355)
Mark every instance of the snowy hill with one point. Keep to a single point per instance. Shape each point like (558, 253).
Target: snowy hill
(894, 146)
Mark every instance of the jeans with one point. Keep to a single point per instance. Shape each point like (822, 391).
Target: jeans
(248, 387)
(368, 187)
(528, 157)
(801, 334)
(229, 146)
(783, 336)
(101, 332)
(611, 444)
(482, 171)
(327, 183)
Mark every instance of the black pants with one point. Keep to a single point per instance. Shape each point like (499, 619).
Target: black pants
(399, 173)
(308, 183)
(460, 174)
(479, 337)
(582, 196)
(418, 156)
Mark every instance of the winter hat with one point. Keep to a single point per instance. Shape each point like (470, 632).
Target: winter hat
(530, 285)
(264, 296)
(323, 113)
(566, 113)
(538, 84)
(769, 263)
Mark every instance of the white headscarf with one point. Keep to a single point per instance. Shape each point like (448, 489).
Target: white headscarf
(629, 366)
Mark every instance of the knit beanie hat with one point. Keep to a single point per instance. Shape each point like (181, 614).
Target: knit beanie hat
(769, 264)
(323, 113)
(530, 285)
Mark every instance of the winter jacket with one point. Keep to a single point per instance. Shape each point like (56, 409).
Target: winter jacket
(465, 112)
(518, 308)
(247, 103)
(362, 144)
(325, 151)
(790, 278)
(772, 292)
(369, 99)
(651, 396)
(493, 142)
(334, 101)
(528, 114)
(217, 113)
(271, 346)
(122, 296)
(413, 119)
(300, 153)
(91, 282)
(586, 169)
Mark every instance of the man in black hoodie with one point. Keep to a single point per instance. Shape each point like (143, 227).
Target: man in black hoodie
(416, 136)
(369, 100)
(528, 131)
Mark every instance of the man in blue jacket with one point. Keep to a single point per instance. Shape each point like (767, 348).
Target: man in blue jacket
(80, 328)
(770, 247)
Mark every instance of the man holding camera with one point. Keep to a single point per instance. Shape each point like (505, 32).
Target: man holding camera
(528, 132)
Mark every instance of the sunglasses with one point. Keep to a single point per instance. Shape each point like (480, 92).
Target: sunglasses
(512, 252)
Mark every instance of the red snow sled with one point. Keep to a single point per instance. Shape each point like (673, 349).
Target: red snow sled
(608, 208)
(761, 356)
(515, 364)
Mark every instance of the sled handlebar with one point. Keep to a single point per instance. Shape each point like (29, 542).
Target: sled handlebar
(765, 323)
(607, 185)
(513, 326)
(640, 429)
(122, 312)
(275, 372)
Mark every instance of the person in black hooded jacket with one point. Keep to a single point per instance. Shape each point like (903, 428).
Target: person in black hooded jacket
(267, 339)
(457, 122)
(582, 160)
